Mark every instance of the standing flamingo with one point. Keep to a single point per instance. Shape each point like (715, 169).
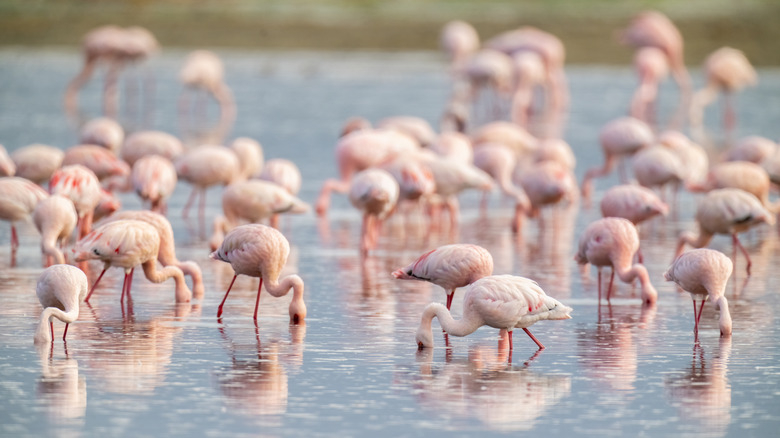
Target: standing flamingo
(725, 211)
(504, 302)
(143, 143)
(37, 162)
(18, 198)
(704, 273)
(613, 241)
(459, 40)
(103, 131)
(7, 165)
(415, 127)
(375, 193)
(753, 148)
(658, 166)
(60, 289)
(206, 166)
(632, 202)
(55, 218)
(742, 175)
(652, 67)
(98, 159)
(154, 180)
(450, 267)
(728, 70)
(203, 70)
(529, 72)
(81, 186)
(261, 251)
(167, 252)
(498, 161)
(127, 244)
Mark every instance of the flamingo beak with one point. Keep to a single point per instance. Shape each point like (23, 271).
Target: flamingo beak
(420, 346)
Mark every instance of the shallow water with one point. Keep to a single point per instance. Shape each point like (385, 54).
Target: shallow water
(150, 367)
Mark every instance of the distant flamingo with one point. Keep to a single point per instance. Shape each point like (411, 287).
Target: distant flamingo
(98, 159)
(613, 241)
(450, 267)
(451, 178)
(250, 156)
(509, 134)
(204, 70)
(360, 150)
(284, 173)
(619, 138)
(725, 211)
(55, 218)
(743, 175)
(547, 183)
(489, 74)
(18, 198)
(504, 302)
(103, 131)
(127, 244)
(529, 72)
(728, 70)
(453, 145)
(415, 127)
(37, 162)
(206, 166)
(500, 162)
(7, 165)
(632, 202)
(459, 40)
(652, 67)
(415, 180)
(375, 193)
(753, 148)
(107, 205)
(253, 201)
(167, 252)
(555, 149)
(60, 289)
(693, 156)
(658, 166)
(144, 143)
(81, 186)
(154, 180)
(261, 251)
(654, 29)
(704, 273)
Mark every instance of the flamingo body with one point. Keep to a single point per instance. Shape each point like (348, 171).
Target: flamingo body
(632, 202)
(60, 289)
(142, 143)
(55, 218)
(37, 162)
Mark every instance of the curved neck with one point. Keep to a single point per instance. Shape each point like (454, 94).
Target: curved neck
(687, 237)
(462, 327)
(725, 316)
(43, 334)
(183, 293)
(280, 288)
(628, 273)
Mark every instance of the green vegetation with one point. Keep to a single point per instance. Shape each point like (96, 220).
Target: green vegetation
(586, 27)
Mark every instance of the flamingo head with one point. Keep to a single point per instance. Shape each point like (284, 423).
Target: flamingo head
(424, 338)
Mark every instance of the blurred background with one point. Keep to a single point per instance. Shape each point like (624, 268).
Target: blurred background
(586, 26)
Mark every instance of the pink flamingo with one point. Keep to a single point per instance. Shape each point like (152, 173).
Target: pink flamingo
(753, 148)
(619, 138)
(203, 70)
(55, 218)
(167, 252)
(504, 302)
(450, 267)
(489, 71)
(7, 165)
(725, 211)
(103, 131)
(127, 244)
(632, 202)
(452, 177)
(658, 166)
(415, 127)
(107, 205)
(81, 186)
(261, 251)
(498, 161)
(415, 180)
(250, 156)
(613, 241)
(546, 183)
(18, 198)
(144, 143)
(509, 134)
(704, 273)
(728, 70)
(206, 166)
(529, 72)
(743, 175)
(284, 173)
(98, 159)
(652, 67)
(555, 149)
(693, 156)
(60, 289)
(37, 162)
(453, 145)
(459, 40)
(654, 29)
(375, 193)
(154, 179)
(253, 201)
(360, 150)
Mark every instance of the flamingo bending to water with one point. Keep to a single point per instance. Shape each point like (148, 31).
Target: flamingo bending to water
(60, 289)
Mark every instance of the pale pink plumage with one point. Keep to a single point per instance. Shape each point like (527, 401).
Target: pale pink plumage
(652, 67)
(250, 156)
(154, 180)
(742, 175)
(753, 148)
(203, 70)
(415, 127)
(60, 289)
(127, 244)
(546, 183)
(450, 267)
(98, 159)
(704, 273)
(529, 72)
(142, 143)
(55, 218)
(509, 134)
(453, 145)
(613, 241)
(504, 302)
(375, 193)
(103, 131)
(657, 166)
(37, 162)
(284, 173)
(81, 186)
(7, 165)
(458, 40)
(632, 202)
(257, 250)
(18, 198)
(204, 167)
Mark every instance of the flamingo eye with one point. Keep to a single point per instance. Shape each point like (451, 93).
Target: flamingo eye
(95, 250)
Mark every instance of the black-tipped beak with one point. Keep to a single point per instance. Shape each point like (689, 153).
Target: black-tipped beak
(420, 346)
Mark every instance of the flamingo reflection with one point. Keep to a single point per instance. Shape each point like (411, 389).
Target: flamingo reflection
(61, 391)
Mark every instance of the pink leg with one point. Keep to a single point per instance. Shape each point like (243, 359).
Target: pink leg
(541, 347)
(738, 244)
(611, 280)
(695, 318)
(599, 277)
(65, 333)
(130, 283)
(449, 298)
(257, 301)
(698, 315)
(186, 211)
(86, 300)
(51, 328)
(14, 238)
(219, 310)
(124, 287)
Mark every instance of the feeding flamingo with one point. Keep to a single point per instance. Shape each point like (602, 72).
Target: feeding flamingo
(55, 218)
(103, 131)
(154, 180)
(144, 143)
(81, 186)
(375, 193)
(60, 289)
(37, 162)
(18, 198)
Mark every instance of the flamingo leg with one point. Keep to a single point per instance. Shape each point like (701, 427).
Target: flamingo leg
(130, 282)
(698, 315)
(219, 309)
(51, 328)
(65, 333)
(738, 244)
(695, 318)
(257, 301)
(510, 343)
(14, 238)
(599, 276)
(449, 298)
(611, 280)
(124, 287)
(86, 300)
(541, 347)
(186, 210)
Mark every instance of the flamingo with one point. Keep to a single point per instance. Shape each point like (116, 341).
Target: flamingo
(7, 164)
(37, 162)
(500, 162)
(60, 289)
(555, 149)
(98, 159)
(613, 241)
(704, 273)
(415, 127)
(253, 201)
(504, 302)
(753, 148)
(509, 134)
(450, 267)
(203, 70)
(547, 183)
(619, 138)
(415, 180)
(743, 175)
(18, 198)
(206, 166)
(693, 156)
(652, 67)
(143, 143)
(453, 145)
(529, 71)
(81, 186)
(261, 251)
(250, 156)
(167, 252)
(725, 211)
(729, 71)
(375, 193)
(55, 218)
(154, 180)
(658, 166)
(107, 205)
(459, 40)
(103, 131)
(127, 244)
(284, 173)
(632, 202)
(489, 70)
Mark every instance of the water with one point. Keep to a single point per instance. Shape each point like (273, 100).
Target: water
(151, 368)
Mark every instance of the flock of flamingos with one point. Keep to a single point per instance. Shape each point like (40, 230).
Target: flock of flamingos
(402, 167)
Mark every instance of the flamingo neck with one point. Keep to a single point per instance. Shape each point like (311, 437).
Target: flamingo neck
(462, 327)
(724, 322)
(279, 288)
(43, 333)
(689, 238)
(628, 273)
